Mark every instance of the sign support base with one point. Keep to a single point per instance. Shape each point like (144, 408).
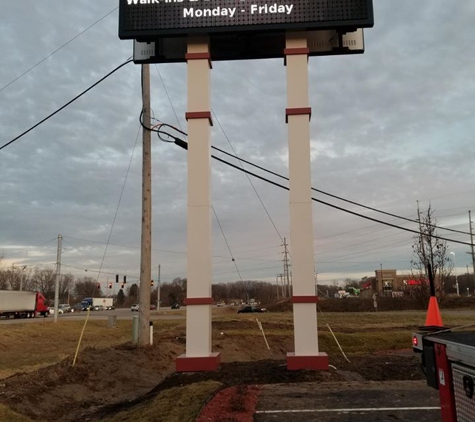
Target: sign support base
(198, 364)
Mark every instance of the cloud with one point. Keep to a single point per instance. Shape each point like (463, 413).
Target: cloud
(389, 127)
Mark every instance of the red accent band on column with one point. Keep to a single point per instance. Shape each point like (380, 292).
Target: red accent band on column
(198, 364)
(296, 51)
(304, 299)
(199, 115)
(298, 112)
(199, 56)
(318, 362)
(198, 301)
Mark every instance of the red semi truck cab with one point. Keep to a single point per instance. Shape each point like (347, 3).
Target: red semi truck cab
(41, 307)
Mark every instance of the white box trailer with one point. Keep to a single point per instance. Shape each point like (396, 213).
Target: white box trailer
(105, 302)
(22, 304)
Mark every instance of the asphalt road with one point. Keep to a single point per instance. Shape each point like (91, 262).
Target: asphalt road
(121, 314)
(404, 401)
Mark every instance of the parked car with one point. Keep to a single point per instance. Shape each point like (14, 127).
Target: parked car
(250, 309)
(153, 307)
(175, 306)
(134, 307)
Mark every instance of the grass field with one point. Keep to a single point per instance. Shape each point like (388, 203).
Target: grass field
(29, 346)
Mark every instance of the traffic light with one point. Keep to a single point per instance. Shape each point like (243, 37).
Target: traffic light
(151, 283)
(125, 279)
(122, 286)
(117, 278)
(110, 285)
(98, 286)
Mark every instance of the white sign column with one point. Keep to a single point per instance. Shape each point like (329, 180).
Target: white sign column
(198, 356)
(304, 299)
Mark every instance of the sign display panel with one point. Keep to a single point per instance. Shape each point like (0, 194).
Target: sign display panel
(145, 20)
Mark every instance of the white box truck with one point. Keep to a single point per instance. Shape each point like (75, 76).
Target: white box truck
(105, 302)
(98, 303)
(21, 304)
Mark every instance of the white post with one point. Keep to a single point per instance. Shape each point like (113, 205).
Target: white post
(303, 298)
(198, 355)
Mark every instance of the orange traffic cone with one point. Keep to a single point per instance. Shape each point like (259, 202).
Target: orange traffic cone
(433, 318)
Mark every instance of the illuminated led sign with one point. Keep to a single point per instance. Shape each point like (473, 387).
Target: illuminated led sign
(145, 20)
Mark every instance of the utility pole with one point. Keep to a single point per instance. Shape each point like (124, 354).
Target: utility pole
(158, 290)
(468, 280)
(471, 241)
(455, 271)
(146, 247)
(58, 276)
(277, 284)
(286, 268)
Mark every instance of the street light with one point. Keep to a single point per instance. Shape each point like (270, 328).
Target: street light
(455, 269)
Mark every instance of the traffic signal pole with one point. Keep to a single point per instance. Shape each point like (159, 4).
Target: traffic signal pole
(146, 248)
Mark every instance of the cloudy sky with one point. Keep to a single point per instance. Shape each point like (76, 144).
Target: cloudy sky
(389, 127)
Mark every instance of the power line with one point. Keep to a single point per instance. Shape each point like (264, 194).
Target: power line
(226, 241)
(168, 96)
(249, 179)
(88, 270)
(2, 255)
(118, 203)
(55, 51)
(337, 197)
(184, 145)
(66, 105)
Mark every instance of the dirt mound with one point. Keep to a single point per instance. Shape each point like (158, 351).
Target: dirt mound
(100, 377)
(106, 381)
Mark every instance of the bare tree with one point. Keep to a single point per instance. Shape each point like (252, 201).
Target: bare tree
(66, 284)
(44, 281)
(431, 252)
(4, 279)
(87, 287)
